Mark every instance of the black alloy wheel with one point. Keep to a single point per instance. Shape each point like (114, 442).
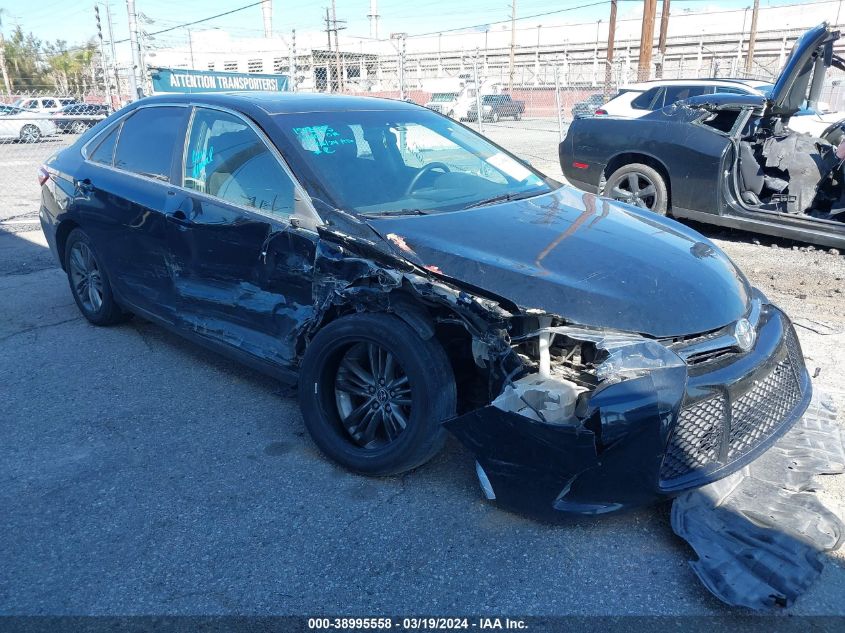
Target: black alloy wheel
(373, 394)
(89, 282)
(85, 277)
(638, 185)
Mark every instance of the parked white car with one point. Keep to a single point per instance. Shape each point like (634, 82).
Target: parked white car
(639, 99)
(43, 104)
(23, 125)
(814, 121)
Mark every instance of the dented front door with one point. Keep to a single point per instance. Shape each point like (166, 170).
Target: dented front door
(240, 278)
(243, 272)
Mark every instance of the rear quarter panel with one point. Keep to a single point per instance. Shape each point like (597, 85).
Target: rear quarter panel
(690, 155)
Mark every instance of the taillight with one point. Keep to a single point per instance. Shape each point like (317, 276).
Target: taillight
(43, 175)
(601, 112)
(578, 165)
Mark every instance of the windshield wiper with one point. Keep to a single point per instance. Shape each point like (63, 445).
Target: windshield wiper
(382, 214)
(503, 197)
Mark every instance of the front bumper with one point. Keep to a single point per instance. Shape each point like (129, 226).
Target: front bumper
(649, 437)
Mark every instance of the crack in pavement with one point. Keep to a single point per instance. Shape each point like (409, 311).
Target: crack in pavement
(35, 328)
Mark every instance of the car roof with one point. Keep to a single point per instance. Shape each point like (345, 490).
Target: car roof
(749, 83)
(282, 102)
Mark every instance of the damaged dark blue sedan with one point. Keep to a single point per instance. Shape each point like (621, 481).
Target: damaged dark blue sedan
(416, 278)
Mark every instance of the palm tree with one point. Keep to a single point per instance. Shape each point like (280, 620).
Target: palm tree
(6, 80)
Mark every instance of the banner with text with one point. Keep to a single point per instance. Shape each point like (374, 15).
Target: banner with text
(180, 80)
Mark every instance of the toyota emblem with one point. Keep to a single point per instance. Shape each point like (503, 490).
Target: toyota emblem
(744, 334)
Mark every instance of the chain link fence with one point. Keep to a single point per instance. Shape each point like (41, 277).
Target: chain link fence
(527, 96)
(33, 126)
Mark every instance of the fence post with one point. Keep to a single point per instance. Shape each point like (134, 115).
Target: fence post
(402, 69)
(479, 113)
(557, 104)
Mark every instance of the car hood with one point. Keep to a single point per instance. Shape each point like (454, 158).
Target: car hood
(586, 259)
(790, 89)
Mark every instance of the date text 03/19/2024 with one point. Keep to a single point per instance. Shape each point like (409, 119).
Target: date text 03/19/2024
(418, 623)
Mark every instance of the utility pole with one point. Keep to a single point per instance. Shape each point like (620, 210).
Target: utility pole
(646, 40)
(752, 38)
(374, 17)
(292, 62)
(401, 51)
(513, 48)
(106, 79)
(337, 46)
(479, 112)
(113, 54)
(611, 41)
(330, 49)
(596, 54)
(191, 48)
(661, 42)
(136, 52)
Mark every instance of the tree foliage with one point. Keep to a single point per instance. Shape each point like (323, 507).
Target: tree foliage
(35, 66)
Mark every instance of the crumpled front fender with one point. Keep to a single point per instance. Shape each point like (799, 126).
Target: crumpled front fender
(607, 461)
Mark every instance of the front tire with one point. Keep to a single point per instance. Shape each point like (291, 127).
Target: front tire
(78, 127)
(89, 282)
(373, 394)
(639, 185)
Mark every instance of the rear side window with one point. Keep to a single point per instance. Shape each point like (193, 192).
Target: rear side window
(147, 141)
(679, 93)
(225, 158)
(646, 100)
(104, 153)
(49, 103)
(728, 90)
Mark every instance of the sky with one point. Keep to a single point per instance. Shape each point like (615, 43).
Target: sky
(74, 22)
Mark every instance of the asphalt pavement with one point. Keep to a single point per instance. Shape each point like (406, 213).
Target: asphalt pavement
(140, 474)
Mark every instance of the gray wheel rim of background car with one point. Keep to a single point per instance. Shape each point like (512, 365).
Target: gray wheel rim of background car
(373, 395)
(30, 133)
(635, 194)
(86, 277)
(78, 127)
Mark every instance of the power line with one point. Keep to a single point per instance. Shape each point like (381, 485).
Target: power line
(184, 24)
(524, 17)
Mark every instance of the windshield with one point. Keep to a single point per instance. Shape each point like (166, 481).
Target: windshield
(439, 97)
(401, 161)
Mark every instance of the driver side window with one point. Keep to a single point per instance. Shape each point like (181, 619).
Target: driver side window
(225, 158)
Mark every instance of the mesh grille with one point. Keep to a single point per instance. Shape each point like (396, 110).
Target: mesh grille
(697, 438)
(760, 411)
(698, 441)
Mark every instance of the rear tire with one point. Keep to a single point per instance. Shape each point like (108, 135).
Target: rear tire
(89, 282)
(78, 127)
(30, 134)
(370, 425)
(639, 185)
